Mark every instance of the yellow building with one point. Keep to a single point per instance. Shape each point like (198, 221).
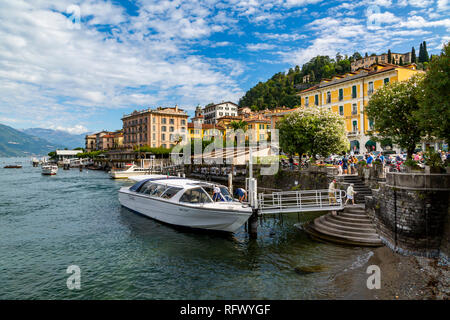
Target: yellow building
(257, 125)
(348, 95)
(118, 139)
(204, 131)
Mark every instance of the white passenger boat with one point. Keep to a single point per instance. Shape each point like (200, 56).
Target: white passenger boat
(185, 202)
(49, 169)
(131, 171)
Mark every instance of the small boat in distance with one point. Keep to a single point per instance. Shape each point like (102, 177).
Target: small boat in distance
(49, 169)
(185, 202)
(13, 166)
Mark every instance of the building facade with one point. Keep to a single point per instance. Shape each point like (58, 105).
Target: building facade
(91, 143)
(214, 111)
(367, 62)
(348, 95)
(154, 127)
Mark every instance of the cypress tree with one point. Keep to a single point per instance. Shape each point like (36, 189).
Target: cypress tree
(389, 56)
(421, 53)
(401, 61)
(425, 53)
(413, 55)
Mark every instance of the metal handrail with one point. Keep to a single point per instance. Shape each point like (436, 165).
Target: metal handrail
(301, 200)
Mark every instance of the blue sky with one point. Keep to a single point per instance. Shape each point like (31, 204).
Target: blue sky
(80, 65)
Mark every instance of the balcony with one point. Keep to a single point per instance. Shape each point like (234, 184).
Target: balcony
(353, 133)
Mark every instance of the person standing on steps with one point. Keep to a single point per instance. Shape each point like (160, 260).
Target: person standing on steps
(350, 194)
(332, 192)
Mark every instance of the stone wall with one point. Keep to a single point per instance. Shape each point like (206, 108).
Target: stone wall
(410, 211)
(315, 178)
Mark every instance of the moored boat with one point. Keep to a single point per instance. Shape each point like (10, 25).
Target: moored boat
(49, 169)
(185, 202)
(131, 170)
(13, 166)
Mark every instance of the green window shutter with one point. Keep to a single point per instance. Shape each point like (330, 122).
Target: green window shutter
(354, 92)
(386, 80)
(341, 94)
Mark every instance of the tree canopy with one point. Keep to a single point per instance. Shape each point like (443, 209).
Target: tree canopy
(313, 131)
(434, 113)
(393, 109)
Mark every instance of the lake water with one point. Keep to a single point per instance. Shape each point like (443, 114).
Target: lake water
(48, 223)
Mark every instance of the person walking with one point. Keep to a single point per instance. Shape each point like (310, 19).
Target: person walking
(345, 164)
(332, 192)
(291, 162)
(350, 194)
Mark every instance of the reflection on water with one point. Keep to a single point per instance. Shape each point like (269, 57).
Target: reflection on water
(50, 222)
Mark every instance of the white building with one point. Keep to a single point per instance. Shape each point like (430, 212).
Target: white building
(212, 112)
(67, 154)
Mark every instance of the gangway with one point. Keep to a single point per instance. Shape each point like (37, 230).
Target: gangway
(300, 201)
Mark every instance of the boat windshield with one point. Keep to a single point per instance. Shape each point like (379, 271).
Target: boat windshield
(223, 196)
(157, 190)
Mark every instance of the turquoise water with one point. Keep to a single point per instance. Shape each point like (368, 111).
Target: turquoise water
(48, 223)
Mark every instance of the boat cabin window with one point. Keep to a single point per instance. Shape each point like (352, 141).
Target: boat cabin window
(169, 193)
(158, 190)
(148, 188)
(196, 195)
(224, 194)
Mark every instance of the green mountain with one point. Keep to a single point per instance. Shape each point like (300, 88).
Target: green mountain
(14, 143)
(58, 137)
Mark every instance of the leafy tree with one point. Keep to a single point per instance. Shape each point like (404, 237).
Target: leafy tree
(236, 125)
(434, 112)
(393, 108)
(313, 131)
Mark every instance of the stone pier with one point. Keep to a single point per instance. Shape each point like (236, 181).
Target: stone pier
(411, 215)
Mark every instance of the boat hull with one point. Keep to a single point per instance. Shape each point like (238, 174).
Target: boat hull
(186, 216)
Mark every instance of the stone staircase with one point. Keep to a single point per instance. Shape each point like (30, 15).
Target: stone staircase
(351, 226)
(358, 185)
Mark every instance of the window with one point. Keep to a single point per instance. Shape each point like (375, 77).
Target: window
(354, 108)
(306, 101)
(262, 136)
(154, 120)
(328, 97)
(354, 92)
(370, 91)
(163, 120)
(341, 110)
(163, 128)
(196, 195)
(171, 129)
(183, 122)
(355, 125)
(154, 136)
(170, 192)
(341, 94)
(386, 80)
(316, 99)
(163, 136)
(171, 121)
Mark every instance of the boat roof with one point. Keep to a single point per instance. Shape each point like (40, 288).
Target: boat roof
(184, 183)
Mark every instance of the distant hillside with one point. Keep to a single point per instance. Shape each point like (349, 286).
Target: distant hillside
(281, 89)
(59, 137)
(14, 143)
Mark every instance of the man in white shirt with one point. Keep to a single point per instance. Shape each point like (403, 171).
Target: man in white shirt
(332, 192)
(350, 194)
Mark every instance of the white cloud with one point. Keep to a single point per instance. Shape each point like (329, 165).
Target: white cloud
(77, 129)
(259, 46)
